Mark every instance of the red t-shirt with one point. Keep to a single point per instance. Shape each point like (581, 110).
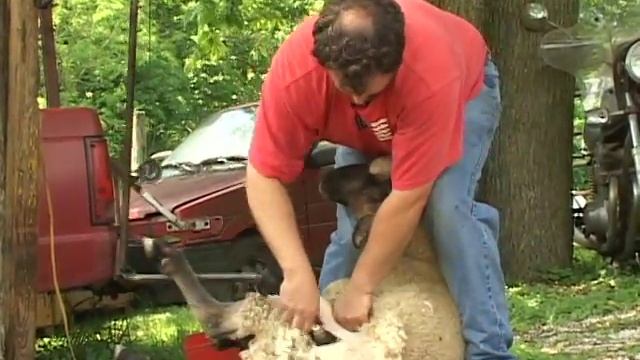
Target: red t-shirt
(418, 118)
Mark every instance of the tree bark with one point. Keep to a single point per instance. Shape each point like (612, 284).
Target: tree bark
(20, 165)
(4, 87)
(472, 10)
(528, 177)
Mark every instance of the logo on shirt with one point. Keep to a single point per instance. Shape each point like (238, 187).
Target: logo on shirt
(381, 129)
(360, 123)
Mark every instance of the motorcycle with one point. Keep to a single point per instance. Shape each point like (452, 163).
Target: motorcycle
(603, 54)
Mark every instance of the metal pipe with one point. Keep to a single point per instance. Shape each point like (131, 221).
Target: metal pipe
(634, 130)
(632, 224)
(124, 190)
(164, 211)
(219, 276)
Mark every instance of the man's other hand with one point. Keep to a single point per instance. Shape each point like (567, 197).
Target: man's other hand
(352, 308)
(300, 299)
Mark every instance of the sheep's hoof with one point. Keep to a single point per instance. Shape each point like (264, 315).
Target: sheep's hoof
(123, 353)
(171, 259)
(224, 343)
(321, 336)
(155, 248)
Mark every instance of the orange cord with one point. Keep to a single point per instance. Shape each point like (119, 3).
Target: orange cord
(54, 272)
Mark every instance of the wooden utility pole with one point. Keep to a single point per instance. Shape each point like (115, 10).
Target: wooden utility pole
(4, 86)
(51, 80)
(19, 176)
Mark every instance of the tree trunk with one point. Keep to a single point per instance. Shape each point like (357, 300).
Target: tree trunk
(472, 10)
(528, 177)
(19, 173)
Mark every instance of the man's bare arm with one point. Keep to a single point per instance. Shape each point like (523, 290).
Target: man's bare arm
(392, 228)
(272, 209)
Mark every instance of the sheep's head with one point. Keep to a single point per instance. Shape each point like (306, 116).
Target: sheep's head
(361, 188)
(229, 324)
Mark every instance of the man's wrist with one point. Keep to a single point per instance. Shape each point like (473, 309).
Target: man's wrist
(361, 284)
(296, 266)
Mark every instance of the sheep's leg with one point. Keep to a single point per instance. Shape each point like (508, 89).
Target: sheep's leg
(218, 319)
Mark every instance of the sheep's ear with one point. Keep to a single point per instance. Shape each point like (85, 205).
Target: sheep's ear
(342, 183)
(361, 231)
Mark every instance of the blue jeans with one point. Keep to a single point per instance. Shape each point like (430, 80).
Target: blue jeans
(464, 233)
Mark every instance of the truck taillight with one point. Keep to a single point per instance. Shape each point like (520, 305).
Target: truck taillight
(100, 181)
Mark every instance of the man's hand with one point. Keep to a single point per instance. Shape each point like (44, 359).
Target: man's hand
(352, 308)
(300, 299)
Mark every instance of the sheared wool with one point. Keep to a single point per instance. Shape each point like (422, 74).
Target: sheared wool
(273, 340)
(382, 339)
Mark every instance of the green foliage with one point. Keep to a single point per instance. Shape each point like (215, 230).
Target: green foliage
(581, 179)
(194, 57)
(609, 8)
(236, 40)
(92, 40)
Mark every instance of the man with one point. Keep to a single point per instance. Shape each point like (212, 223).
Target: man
(386, 77)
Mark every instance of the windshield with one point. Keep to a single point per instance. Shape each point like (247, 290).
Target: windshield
(585, 48)
(586, 51)
(224, 134)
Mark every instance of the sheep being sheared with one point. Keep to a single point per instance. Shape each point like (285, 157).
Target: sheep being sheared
(415, 291)
(413, 317)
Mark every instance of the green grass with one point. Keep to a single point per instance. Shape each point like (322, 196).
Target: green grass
(156, 332)
(588, 312)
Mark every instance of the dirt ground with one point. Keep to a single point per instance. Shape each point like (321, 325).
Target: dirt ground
(611, 337)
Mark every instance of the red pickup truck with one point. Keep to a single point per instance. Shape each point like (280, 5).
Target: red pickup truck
(200, 182)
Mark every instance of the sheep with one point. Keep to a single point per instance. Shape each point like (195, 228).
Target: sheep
(413, 313)
(415, 292)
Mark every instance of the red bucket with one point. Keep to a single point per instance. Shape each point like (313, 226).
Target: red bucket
(199, 347)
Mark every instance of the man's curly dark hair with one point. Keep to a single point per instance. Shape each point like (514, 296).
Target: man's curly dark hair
(357, 52)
